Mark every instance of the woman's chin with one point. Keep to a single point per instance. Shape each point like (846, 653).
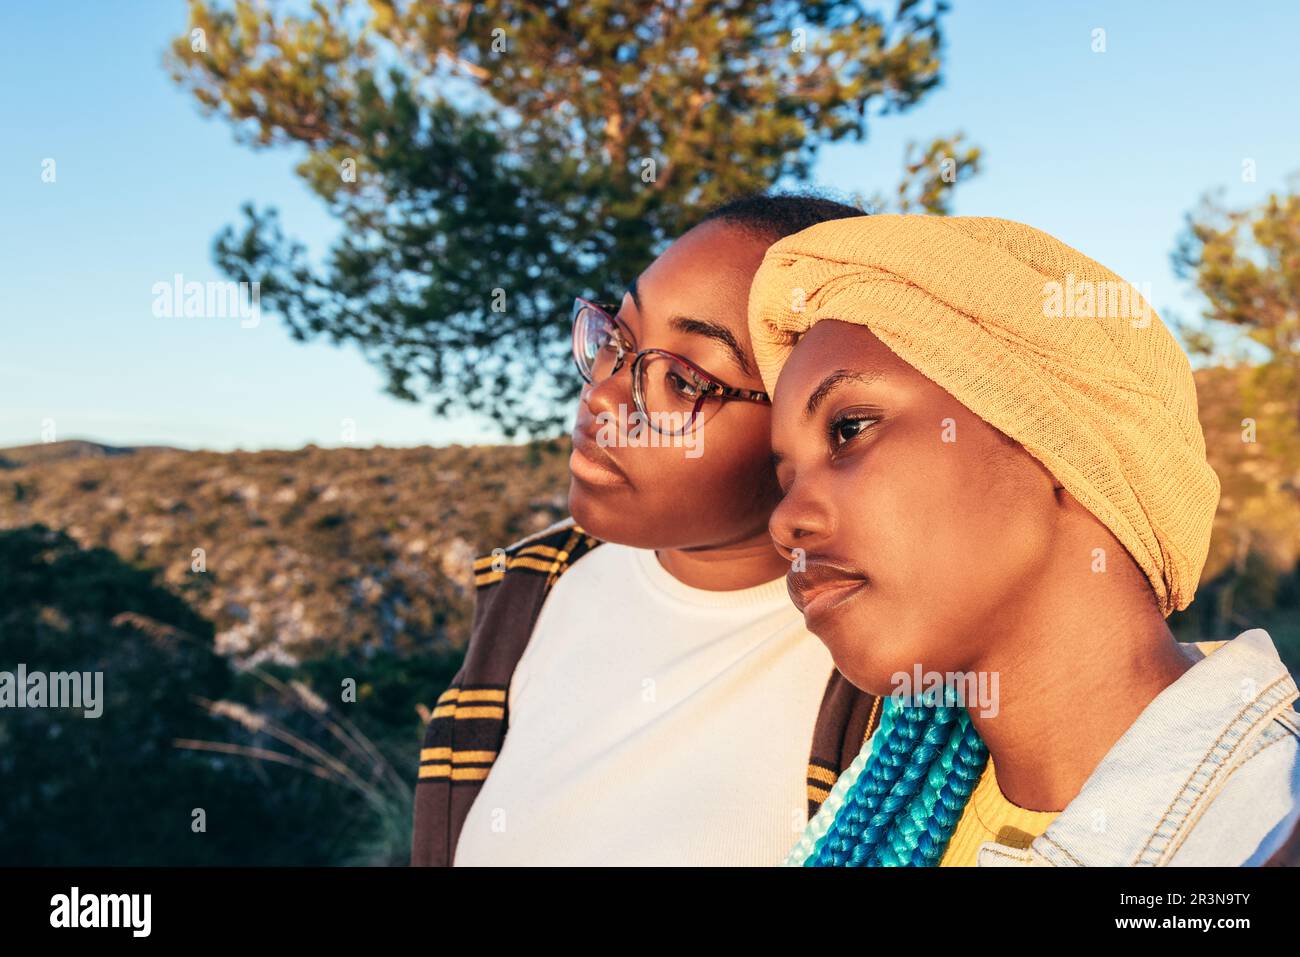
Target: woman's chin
(594, 510)
(602, 514)
(870, 658)
(873, 681)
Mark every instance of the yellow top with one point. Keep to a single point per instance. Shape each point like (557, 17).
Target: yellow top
(988, 816)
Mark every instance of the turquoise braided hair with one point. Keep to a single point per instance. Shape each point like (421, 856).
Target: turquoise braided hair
(902, 808)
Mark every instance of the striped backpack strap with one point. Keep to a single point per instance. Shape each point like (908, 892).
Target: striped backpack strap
(845, 721)
(468, 724)
(548, 553)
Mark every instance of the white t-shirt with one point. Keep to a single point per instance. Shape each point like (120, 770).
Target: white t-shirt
(652, 723)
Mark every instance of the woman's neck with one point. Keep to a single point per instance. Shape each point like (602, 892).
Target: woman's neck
(750, 561)
(1071, 681)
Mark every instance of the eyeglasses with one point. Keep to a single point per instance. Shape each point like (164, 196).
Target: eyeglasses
(673, 394)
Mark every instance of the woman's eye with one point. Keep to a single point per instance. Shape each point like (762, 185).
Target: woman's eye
(847, 428)
(682, 386)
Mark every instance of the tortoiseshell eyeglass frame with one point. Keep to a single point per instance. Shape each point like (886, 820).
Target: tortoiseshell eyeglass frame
(710, 385)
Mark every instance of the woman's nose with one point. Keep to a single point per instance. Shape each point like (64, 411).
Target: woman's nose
(801, 520)
(607, 394)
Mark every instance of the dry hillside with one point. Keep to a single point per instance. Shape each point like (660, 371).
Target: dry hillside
(305, 552)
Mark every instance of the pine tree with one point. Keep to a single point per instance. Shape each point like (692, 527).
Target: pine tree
(488, 162)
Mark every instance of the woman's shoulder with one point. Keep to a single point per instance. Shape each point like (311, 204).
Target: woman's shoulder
(1257, 808)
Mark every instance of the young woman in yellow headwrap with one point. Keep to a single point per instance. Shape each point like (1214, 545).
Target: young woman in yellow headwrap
(995, 491)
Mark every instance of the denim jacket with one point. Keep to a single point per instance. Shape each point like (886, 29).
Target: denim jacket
(1208, 774)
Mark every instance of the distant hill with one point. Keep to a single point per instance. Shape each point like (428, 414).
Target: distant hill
(20, 455)
(310, 552)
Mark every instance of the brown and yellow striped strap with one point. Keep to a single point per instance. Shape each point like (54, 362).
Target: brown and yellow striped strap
(823, 774)
(463, 703)
(539, 557)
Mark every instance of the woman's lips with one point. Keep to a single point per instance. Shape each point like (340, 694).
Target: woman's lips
(822, 587)
(591, 464)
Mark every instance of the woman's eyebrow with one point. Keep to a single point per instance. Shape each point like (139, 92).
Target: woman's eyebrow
(700, 327)
(715, 331)
(834, 381)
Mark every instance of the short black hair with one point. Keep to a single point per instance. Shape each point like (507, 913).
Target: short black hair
(774, 215)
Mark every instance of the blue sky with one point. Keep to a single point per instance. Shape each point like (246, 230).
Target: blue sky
(1108, 151)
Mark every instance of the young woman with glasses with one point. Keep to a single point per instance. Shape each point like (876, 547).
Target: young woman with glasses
(665, 703)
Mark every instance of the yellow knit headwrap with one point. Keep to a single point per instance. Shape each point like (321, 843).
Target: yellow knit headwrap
(1035, 338)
